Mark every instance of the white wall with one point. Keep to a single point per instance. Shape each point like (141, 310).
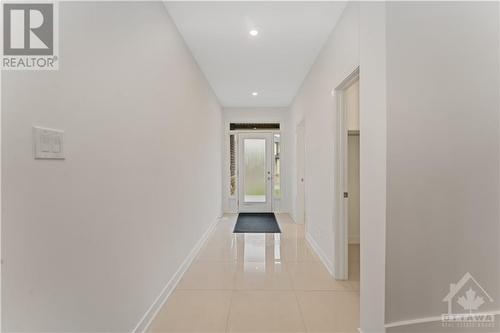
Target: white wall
(429, 109)
(443, 154)
(351, 97)
(258, 115)
(338, 59)
(373, 156)
(88, 243)
(357, 40)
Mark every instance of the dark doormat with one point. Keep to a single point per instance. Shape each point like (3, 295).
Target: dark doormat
(256, 223)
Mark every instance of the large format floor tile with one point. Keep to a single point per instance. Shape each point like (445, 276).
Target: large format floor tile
(329, 311)
(265, 311)
(314, 276)
(218, 250)
(209, 275)
(194, 311)
(261, 283)
(258, 247)
(262, 276)
(297, 250)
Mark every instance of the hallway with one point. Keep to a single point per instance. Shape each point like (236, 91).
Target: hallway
(261, 282)
(124, 166)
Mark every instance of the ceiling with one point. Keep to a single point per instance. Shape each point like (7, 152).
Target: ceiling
(273, 64)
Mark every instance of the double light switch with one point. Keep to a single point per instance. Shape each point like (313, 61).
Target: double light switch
(48, 143)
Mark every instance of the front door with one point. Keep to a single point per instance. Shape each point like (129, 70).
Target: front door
(255, 172)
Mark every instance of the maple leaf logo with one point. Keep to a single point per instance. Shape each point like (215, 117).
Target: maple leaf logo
(470, 301)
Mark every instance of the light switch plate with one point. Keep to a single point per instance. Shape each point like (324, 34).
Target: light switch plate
(48, 143)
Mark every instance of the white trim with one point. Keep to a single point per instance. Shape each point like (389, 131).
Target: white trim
(231, 203)
(425, 320)
(1, 264)
(299, 210)
(340, 223)
(268, 205)
(322, 256)
(412, 321)
(153, 310)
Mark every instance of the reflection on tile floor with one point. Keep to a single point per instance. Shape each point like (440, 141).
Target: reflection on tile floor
(261, 283)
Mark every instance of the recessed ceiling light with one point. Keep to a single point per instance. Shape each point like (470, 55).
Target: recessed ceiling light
(253, 32)
(255, 93)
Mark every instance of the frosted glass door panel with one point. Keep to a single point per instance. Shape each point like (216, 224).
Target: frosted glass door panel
(255, 170)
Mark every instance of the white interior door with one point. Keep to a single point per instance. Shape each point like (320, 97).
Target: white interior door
(300, 199)
(255, 172)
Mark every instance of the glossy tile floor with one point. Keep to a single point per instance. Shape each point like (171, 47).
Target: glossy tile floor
(261, 283)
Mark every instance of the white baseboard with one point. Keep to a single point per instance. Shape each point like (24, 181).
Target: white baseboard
(322, 256)
(424, 320)
(412, 321)
(153, 310)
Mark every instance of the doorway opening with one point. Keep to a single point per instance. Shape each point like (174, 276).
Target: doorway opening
(255, 166)
(300, 214)
(347, 181)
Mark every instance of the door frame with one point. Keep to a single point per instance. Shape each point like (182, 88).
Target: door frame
(300, 200)
(340, 223)
(256, 207)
